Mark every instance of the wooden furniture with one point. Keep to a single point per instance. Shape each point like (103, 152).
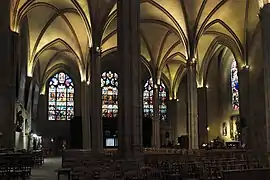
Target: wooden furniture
(15, 166)
(247, 174)
(65, 172)
(37, 158)
(173, 164)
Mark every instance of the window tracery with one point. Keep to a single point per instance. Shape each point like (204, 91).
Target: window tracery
(109, 85)
(60, 97)
(148, 100)
(235, 85)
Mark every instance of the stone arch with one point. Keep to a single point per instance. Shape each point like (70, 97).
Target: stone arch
(216, 45)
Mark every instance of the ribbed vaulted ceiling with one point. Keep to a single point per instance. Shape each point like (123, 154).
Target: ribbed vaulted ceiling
(172, 31)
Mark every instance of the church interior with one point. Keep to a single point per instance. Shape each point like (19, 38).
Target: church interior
(114, 79)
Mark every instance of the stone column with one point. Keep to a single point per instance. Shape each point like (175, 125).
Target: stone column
(192, 106)
(244, 105)
(96, 119)
(173, 118)
(7, 89)
(265, 27)
(156, 118)
(85, 116)
(130, 92)
(202, 115)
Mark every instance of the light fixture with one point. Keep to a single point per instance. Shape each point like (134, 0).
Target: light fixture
(246, 66)
(193, 60)
(98, 49)
(208, 129)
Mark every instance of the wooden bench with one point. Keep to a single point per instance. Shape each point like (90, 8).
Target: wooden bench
(247, 174)
(63, 171)
(15, 166)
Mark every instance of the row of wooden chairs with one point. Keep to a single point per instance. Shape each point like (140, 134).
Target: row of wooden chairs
(15, 166)
(206, 165)
(37, 158)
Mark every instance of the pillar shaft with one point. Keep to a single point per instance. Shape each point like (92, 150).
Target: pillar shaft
(173, 118)
(202, 115)
(96, 119)
(85, 116)
(265, 27)
(244, 107)
(130, 115)
(192, 107)
(156, 119)
(7, 87)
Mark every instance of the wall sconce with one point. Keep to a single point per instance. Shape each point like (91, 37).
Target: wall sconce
(193, 60)
(208, 128)
(177, 100)
(246, 66)
(98, 49)
(88, 82)
(206, 86)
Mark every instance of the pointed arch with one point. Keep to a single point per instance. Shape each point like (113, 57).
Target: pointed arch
(109, 86)
(235, 86)
(60, 97)
(148, 106)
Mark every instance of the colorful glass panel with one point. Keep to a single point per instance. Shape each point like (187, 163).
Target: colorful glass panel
(162, 101)
(235, 86)
(109, 85)
(148, 92)
(148, 107)
(61, 97)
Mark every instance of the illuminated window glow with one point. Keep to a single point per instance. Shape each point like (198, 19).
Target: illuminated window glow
(148, 100)
(109, 86)
(234, 86)
(61, 97)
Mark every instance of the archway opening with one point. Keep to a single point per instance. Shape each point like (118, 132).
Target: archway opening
(109, 86)
(222, 82)
(148, 108)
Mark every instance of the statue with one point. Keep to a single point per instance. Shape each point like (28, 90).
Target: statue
(19, 122)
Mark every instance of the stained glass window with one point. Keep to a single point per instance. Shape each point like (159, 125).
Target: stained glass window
(148, 100)
(162, 101)
(109, 85)
(235, 86)
(61, 97)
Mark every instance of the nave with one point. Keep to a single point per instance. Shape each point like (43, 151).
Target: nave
(48, 170)
(123, 85)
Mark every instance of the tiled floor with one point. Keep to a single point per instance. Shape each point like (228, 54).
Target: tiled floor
(47, 170)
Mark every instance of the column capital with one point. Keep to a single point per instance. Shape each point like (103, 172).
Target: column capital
(173, 100)
(263, 3)
(95, 50)
(264, 11)
(191, 62)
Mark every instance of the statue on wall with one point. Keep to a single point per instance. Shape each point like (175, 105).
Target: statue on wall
(224, 129)
(19, 122)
